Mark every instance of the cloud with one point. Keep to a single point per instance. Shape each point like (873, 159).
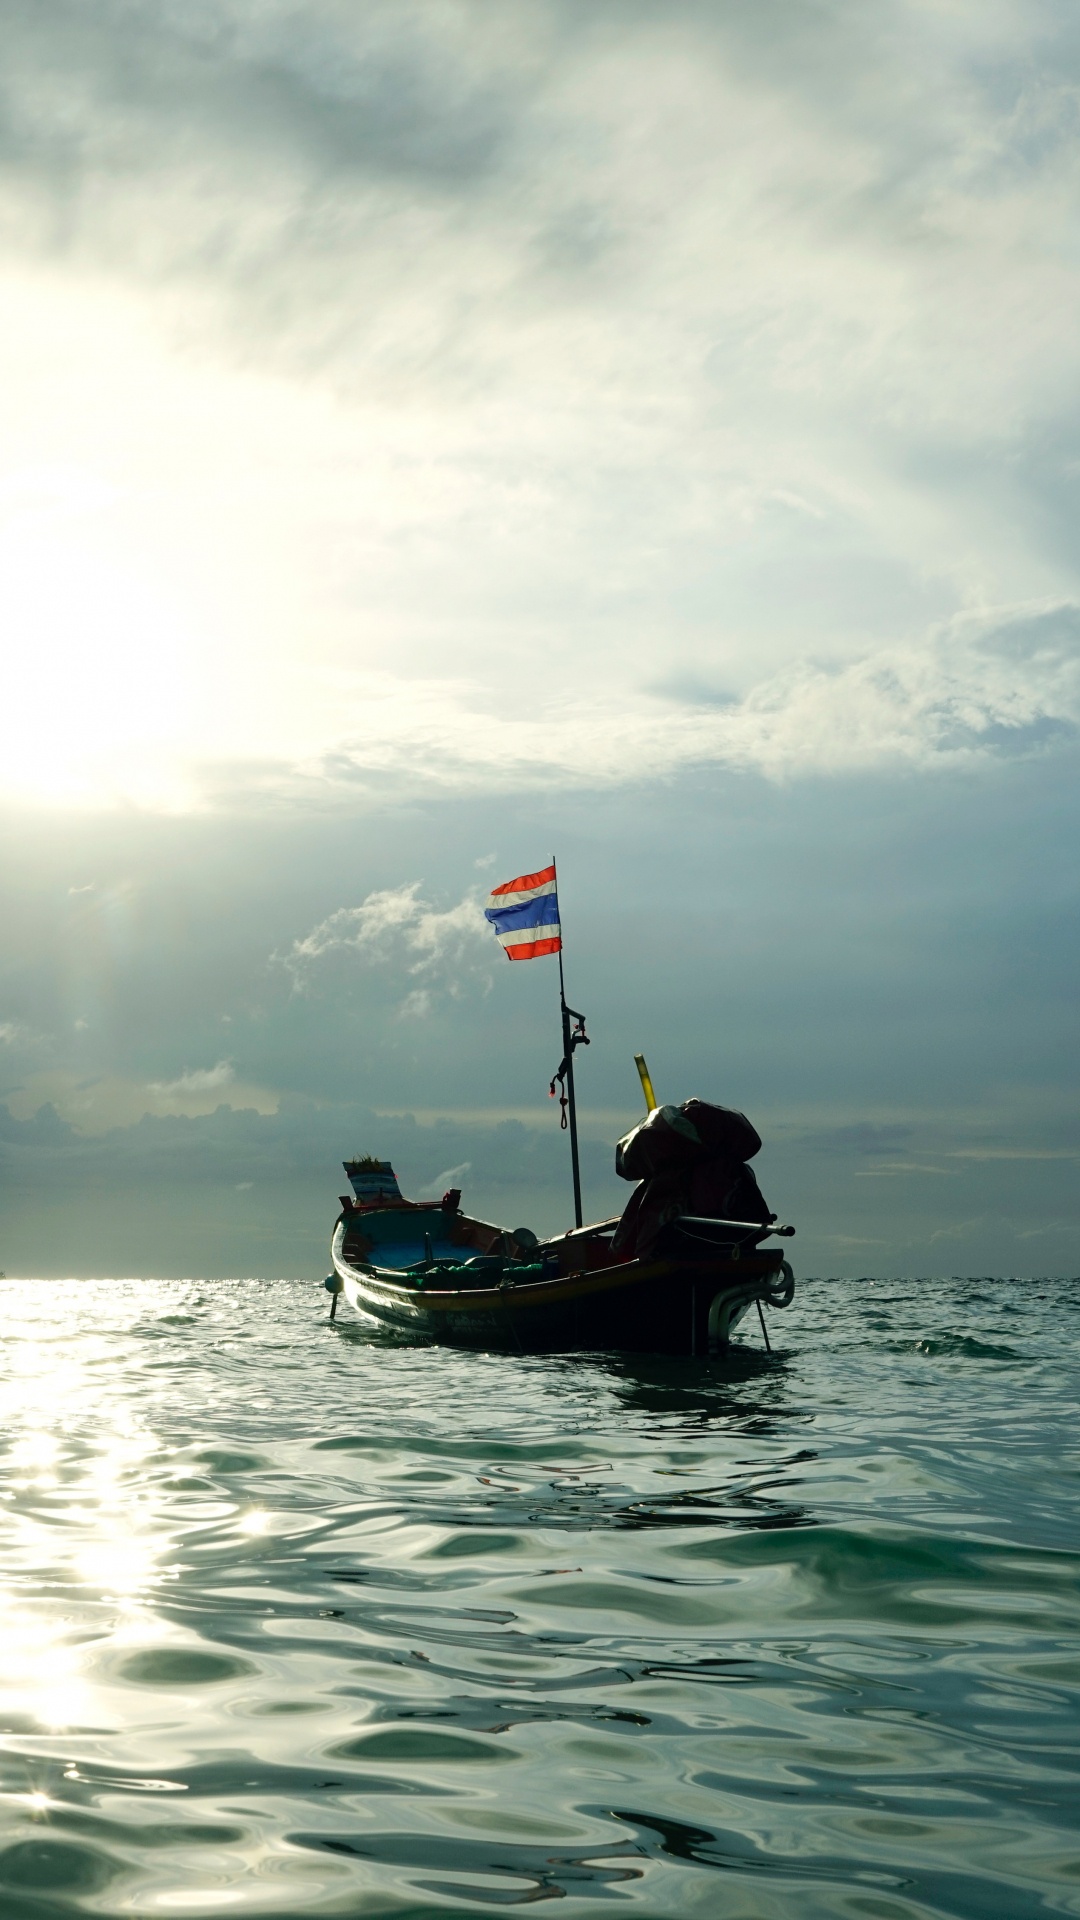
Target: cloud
(147, 1185)
(653, 387)
(1013, 1153)
(864, 1137)
(395, 926)
(198, 1081)
(975, 691)
(271, 134)
(888, 1171)
(980, 688)
(391, 92)
(955, 1232)
(449, 1177)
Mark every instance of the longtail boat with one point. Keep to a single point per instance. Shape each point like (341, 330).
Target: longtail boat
(430, 1270)
(674, 1273)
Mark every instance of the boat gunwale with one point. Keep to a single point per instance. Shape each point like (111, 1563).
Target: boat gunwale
(539, 1293)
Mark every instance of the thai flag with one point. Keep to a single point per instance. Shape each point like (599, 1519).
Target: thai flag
(525, 915)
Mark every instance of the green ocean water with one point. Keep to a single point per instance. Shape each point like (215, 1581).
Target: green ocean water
(297, 1621)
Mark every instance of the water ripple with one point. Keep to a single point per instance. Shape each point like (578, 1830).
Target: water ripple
(296, 1621)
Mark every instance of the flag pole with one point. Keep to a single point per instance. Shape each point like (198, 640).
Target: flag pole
(568, 1057)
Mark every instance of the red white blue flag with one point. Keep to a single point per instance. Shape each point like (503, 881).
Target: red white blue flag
(525, 915)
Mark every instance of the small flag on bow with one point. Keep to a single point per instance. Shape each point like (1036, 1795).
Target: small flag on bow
(525, 915)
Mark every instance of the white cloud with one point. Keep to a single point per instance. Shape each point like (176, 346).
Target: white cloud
(980, 687)
(970, 693)
(956, 1231)
(449, 1177)
(200, 1080)
(396, 927)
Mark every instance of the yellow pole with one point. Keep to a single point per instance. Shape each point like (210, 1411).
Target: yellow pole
(646, 1083)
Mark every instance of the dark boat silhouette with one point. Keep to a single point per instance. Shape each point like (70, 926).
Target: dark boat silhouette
(675, 1285)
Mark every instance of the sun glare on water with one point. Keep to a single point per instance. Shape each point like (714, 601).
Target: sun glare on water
(78, 1521)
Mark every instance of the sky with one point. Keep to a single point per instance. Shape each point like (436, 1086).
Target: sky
(437, 437)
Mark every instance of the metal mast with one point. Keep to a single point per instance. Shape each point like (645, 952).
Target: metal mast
(572, 1037)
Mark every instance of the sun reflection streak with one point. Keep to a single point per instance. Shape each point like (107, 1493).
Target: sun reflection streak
(84, 1527)
(39, 1672)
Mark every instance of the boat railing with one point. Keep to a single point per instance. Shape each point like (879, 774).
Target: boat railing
(697, 1221)
(583, 1233)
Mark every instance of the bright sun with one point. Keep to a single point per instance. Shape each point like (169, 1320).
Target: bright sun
(96, 697)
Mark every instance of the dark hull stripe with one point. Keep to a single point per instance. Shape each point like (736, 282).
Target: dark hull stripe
(641, 1306)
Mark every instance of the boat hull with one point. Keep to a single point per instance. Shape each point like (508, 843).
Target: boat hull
(640, 1306)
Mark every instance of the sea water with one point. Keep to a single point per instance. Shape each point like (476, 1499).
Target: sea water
(297, 1620)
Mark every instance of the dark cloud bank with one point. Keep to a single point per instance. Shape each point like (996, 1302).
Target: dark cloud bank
(237, 1192)
(882, 974)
